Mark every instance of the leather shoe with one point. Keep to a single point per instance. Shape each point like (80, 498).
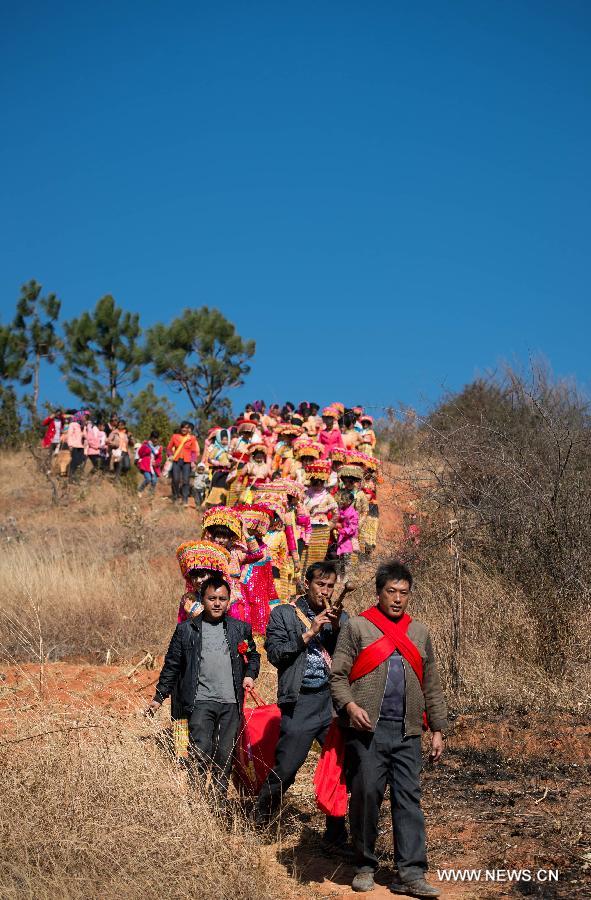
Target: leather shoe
(417, 888)
(363, 881)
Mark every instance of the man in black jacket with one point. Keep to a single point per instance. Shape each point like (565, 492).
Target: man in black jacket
(300, 642)
(212, 659)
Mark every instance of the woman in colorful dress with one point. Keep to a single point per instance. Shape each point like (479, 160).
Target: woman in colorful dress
(256, 472)
(322, 509)
(258, 587)
(224, 526)
(305, 451)
(330, 436)
(284, 462)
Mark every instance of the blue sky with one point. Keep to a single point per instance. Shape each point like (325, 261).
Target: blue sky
(389, 197)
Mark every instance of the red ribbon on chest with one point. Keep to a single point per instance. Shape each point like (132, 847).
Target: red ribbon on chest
(394, 638)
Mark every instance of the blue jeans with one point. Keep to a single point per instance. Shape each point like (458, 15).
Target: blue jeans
(150, 478)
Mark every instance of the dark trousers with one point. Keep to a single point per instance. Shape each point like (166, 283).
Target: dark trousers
(212, 735)
(301, 723)
(78, 459)
(122, 465)
(181, 473)
(373, 761)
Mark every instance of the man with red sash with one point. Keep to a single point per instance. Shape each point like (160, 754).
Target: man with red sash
(384, 683)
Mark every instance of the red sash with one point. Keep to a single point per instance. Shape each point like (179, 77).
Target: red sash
(394, 638)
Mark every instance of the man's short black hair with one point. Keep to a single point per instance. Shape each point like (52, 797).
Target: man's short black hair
(186, 422)
(215, 581)
(324, 567)
(393, 570)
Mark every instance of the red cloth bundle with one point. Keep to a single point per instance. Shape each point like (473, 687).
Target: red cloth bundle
(254, 756)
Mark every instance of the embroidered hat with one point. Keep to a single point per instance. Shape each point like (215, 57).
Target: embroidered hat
(223, 515)
(319, 469)
(255, 515)
(330, 411)
(203, 555)
(289, 487)
(256, 446)
(339, 454)
(306, 447)
(286, 429)
(349, 471)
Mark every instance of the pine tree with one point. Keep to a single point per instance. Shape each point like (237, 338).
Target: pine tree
(34, 336)
(201, 354)
(102, 354)
(148, 412)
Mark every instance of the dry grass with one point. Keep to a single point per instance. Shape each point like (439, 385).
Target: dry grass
(91, 808)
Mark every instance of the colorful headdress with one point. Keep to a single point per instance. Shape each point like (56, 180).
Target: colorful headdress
(339, 454)
(340, 408)
(365, 418)
(319, 469)
(330, 411)
(255, 515)
(244, 426)
(257, 445)
(291, 488)
(351, 472)
(223, 515)
(357, 458)
(276, 502)
(286, 428)
(307, 448)
(203, 555)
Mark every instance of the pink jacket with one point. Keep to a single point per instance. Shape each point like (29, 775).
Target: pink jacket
(348, 530)
(330, 440)
(74, 435)
(93, 440)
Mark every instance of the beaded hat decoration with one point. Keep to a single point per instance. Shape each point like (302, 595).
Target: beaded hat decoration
(203, 555)
(351, 472)
(291, 488)
(330, 411)
(245, 426)
(223, 515)
(340, 407)
(366, 418)
(319, 469)
(338, 455)
(357, 458)
(257, 446)
(275, 502)
(287, 428)
(307, 448)
(255, 515)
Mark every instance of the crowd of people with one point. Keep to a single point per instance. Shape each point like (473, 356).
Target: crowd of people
(289, 504)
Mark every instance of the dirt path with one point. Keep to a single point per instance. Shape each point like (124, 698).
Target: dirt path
(509, 794)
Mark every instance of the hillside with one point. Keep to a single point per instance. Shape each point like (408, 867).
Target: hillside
(93, 807)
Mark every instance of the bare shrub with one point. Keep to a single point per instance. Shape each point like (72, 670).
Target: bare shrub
(509, 463)
(89, 808)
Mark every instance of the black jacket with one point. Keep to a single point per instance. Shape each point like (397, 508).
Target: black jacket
(286, 649)
(182, 661)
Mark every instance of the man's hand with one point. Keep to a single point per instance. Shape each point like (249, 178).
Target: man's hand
(153, 708)
(248, 683)
(358, 717)
(317, 623)
(436, 746)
